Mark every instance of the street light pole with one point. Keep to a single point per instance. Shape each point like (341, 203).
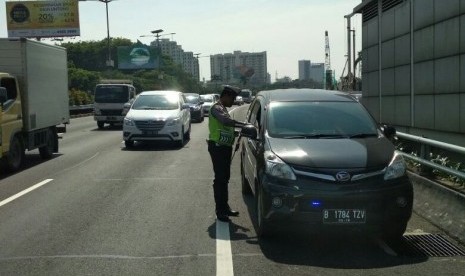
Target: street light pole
(109, 62)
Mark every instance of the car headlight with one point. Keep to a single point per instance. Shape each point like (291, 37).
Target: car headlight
(97, 111)
(396, 168)
(128, 122)
(277, 168)
(197, 107)
(173, 122)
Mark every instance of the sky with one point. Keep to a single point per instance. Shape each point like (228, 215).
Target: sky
(288, 30)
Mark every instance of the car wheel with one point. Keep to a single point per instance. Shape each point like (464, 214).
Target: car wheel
(46, 151)
(245, 184)
(394, 233)
(263, 230)
(188, 134)
(129, 144)
(100, 125)
(14, 158)
(181, 142)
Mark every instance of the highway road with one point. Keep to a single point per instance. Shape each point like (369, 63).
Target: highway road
(99, 209)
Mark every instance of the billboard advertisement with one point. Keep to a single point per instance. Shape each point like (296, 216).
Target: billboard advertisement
(139, 56)
(57, 18)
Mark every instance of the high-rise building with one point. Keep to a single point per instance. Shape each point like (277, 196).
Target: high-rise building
(312, 71)
(304, 69)
(188, 62)
(240, 67)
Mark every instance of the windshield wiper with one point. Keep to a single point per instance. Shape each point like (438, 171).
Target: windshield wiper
(363, 135)
(315, 136)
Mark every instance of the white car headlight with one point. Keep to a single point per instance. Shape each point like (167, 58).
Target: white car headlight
(277, 168)
(128, 122)
(197, 107)
(396, 168)
(173, 122)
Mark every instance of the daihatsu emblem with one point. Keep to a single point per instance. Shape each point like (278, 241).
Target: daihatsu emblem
(343, 176)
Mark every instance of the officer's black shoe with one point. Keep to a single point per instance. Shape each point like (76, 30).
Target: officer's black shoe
(222, 217)
(232, 213)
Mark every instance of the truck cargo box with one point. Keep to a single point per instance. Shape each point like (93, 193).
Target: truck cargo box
(42, 73)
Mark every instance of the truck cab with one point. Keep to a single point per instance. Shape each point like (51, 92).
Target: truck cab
(109, 100)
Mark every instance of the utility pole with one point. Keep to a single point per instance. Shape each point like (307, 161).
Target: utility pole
(328, 71)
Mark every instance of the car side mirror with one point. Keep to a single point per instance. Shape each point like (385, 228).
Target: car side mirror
(249, 131)
(389, 131)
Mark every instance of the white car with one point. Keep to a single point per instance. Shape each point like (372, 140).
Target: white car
(157, 115)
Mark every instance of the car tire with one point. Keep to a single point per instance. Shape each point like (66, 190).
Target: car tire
(129, 144)
(394, 233)
(246, 190)
(46, 152)
(15, 157)
(188, 133)
(181, 142)
(100, 125)
(263, 229)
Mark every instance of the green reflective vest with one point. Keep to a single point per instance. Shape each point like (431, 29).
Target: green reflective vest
(219, 133)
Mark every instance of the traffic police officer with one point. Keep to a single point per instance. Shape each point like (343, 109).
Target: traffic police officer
(220, 142)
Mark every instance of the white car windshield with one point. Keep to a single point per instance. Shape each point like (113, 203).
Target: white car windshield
(164, 102)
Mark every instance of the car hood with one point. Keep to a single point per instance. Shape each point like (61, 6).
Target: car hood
(357, 153)
(152, 114)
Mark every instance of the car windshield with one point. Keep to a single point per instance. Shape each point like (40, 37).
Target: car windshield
(163, 102)
(319, 120)
(192, 99)
(111, 94)
(206, 98)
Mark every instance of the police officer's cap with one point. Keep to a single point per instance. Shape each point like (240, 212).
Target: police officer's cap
(230, 90)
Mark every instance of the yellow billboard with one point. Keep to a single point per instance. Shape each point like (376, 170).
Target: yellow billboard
(42, 18)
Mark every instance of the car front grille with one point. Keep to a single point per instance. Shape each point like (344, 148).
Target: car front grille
(111, 112)
(150, 125)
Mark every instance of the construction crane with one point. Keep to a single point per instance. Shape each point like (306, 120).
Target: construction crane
(328, 71)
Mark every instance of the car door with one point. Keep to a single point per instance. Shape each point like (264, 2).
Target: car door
(252, 147)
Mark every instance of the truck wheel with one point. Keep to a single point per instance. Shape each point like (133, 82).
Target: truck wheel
(15, 157)
(100, 125)
(46, 151)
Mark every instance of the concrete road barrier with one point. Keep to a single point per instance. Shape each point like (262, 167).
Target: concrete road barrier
(440, 205)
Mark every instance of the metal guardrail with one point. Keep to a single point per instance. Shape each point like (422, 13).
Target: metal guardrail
(425, 150)
(81, 109)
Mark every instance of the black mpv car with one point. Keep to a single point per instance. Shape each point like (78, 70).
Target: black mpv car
(318, 160)
(195, 105)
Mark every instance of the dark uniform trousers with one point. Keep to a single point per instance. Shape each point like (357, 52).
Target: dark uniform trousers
(221, 159)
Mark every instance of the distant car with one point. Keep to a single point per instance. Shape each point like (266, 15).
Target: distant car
(238, 100)
(208, 101)
(157, 115)
(317, 159)
(196, 106)
(246, 95)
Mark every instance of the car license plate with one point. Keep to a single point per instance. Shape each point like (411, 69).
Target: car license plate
(344, 216)
(150, 132)
(111, 118)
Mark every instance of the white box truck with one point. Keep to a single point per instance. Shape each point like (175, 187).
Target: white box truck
(34, 99)
(109, 99)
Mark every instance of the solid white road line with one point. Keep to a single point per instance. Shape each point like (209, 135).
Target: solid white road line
(224, 264)
(20, 194)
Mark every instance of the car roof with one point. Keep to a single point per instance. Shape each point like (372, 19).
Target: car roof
(158, 92)
(305, 94)
(191, 94)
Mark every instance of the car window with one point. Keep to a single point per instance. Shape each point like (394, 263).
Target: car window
(206, 98)
(319, 118)
(255, 115)
(165, 102)
(193, 99)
